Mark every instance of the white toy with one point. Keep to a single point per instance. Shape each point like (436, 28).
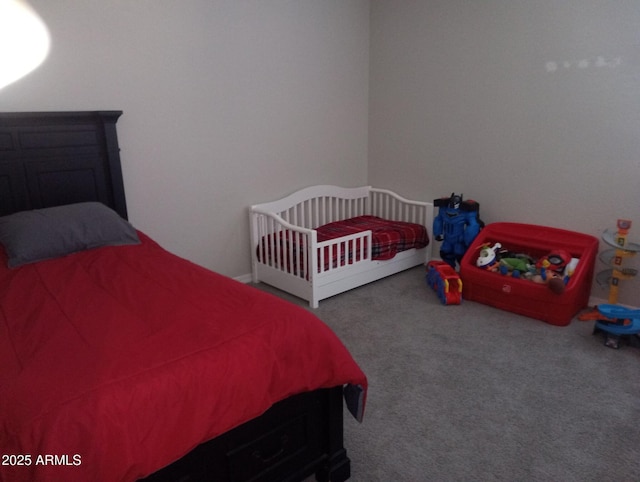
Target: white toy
(487, 257)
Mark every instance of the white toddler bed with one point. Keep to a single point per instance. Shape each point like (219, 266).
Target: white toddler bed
(286, 252)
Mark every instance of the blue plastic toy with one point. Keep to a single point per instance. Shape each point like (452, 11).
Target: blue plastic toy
(618, 323)
(456, 225)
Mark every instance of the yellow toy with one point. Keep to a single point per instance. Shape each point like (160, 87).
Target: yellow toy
(622, 249)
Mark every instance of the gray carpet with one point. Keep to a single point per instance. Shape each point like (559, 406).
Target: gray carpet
(472, 393)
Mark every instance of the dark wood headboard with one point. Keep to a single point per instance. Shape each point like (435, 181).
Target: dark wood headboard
(54, 158)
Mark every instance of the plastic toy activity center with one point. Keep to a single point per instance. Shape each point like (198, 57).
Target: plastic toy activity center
(621, 249)
(616, 322)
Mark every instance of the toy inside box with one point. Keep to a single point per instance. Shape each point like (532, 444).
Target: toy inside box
(538, 300)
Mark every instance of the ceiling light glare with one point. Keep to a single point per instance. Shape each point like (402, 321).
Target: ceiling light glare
(24, 40)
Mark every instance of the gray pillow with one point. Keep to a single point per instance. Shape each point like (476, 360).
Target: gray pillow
(30, 236)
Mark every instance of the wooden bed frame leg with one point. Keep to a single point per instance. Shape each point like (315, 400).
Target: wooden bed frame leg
(338, 466)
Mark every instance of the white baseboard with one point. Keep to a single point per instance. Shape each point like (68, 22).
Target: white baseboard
(593, 300)
(244, 278)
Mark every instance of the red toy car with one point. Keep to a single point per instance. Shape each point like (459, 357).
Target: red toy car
(445, 281)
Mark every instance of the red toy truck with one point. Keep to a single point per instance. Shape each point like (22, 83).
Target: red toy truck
(445, 282)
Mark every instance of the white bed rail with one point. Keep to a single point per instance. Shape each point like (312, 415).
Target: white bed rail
(336, 254)
(279, 244)
(317, 205)
(388, 205)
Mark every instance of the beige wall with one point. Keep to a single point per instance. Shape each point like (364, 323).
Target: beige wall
(475, 97)
(226, 103)
(232, 102)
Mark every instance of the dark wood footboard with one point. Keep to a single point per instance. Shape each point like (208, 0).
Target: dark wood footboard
(295, 439)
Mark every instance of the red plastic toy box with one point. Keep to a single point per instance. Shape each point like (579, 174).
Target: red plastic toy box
(523, 296)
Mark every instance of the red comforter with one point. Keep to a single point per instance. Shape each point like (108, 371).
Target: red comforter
(116, 361)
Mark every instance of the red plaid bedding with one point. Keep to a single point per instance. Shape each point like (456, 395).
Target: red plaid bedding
(388, 239)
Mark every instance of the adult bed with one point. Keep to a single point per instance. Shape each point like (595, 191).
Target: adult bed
(124, 361)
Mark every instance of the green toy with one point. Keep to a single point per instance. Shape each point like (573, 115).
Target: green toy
(517, 266)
